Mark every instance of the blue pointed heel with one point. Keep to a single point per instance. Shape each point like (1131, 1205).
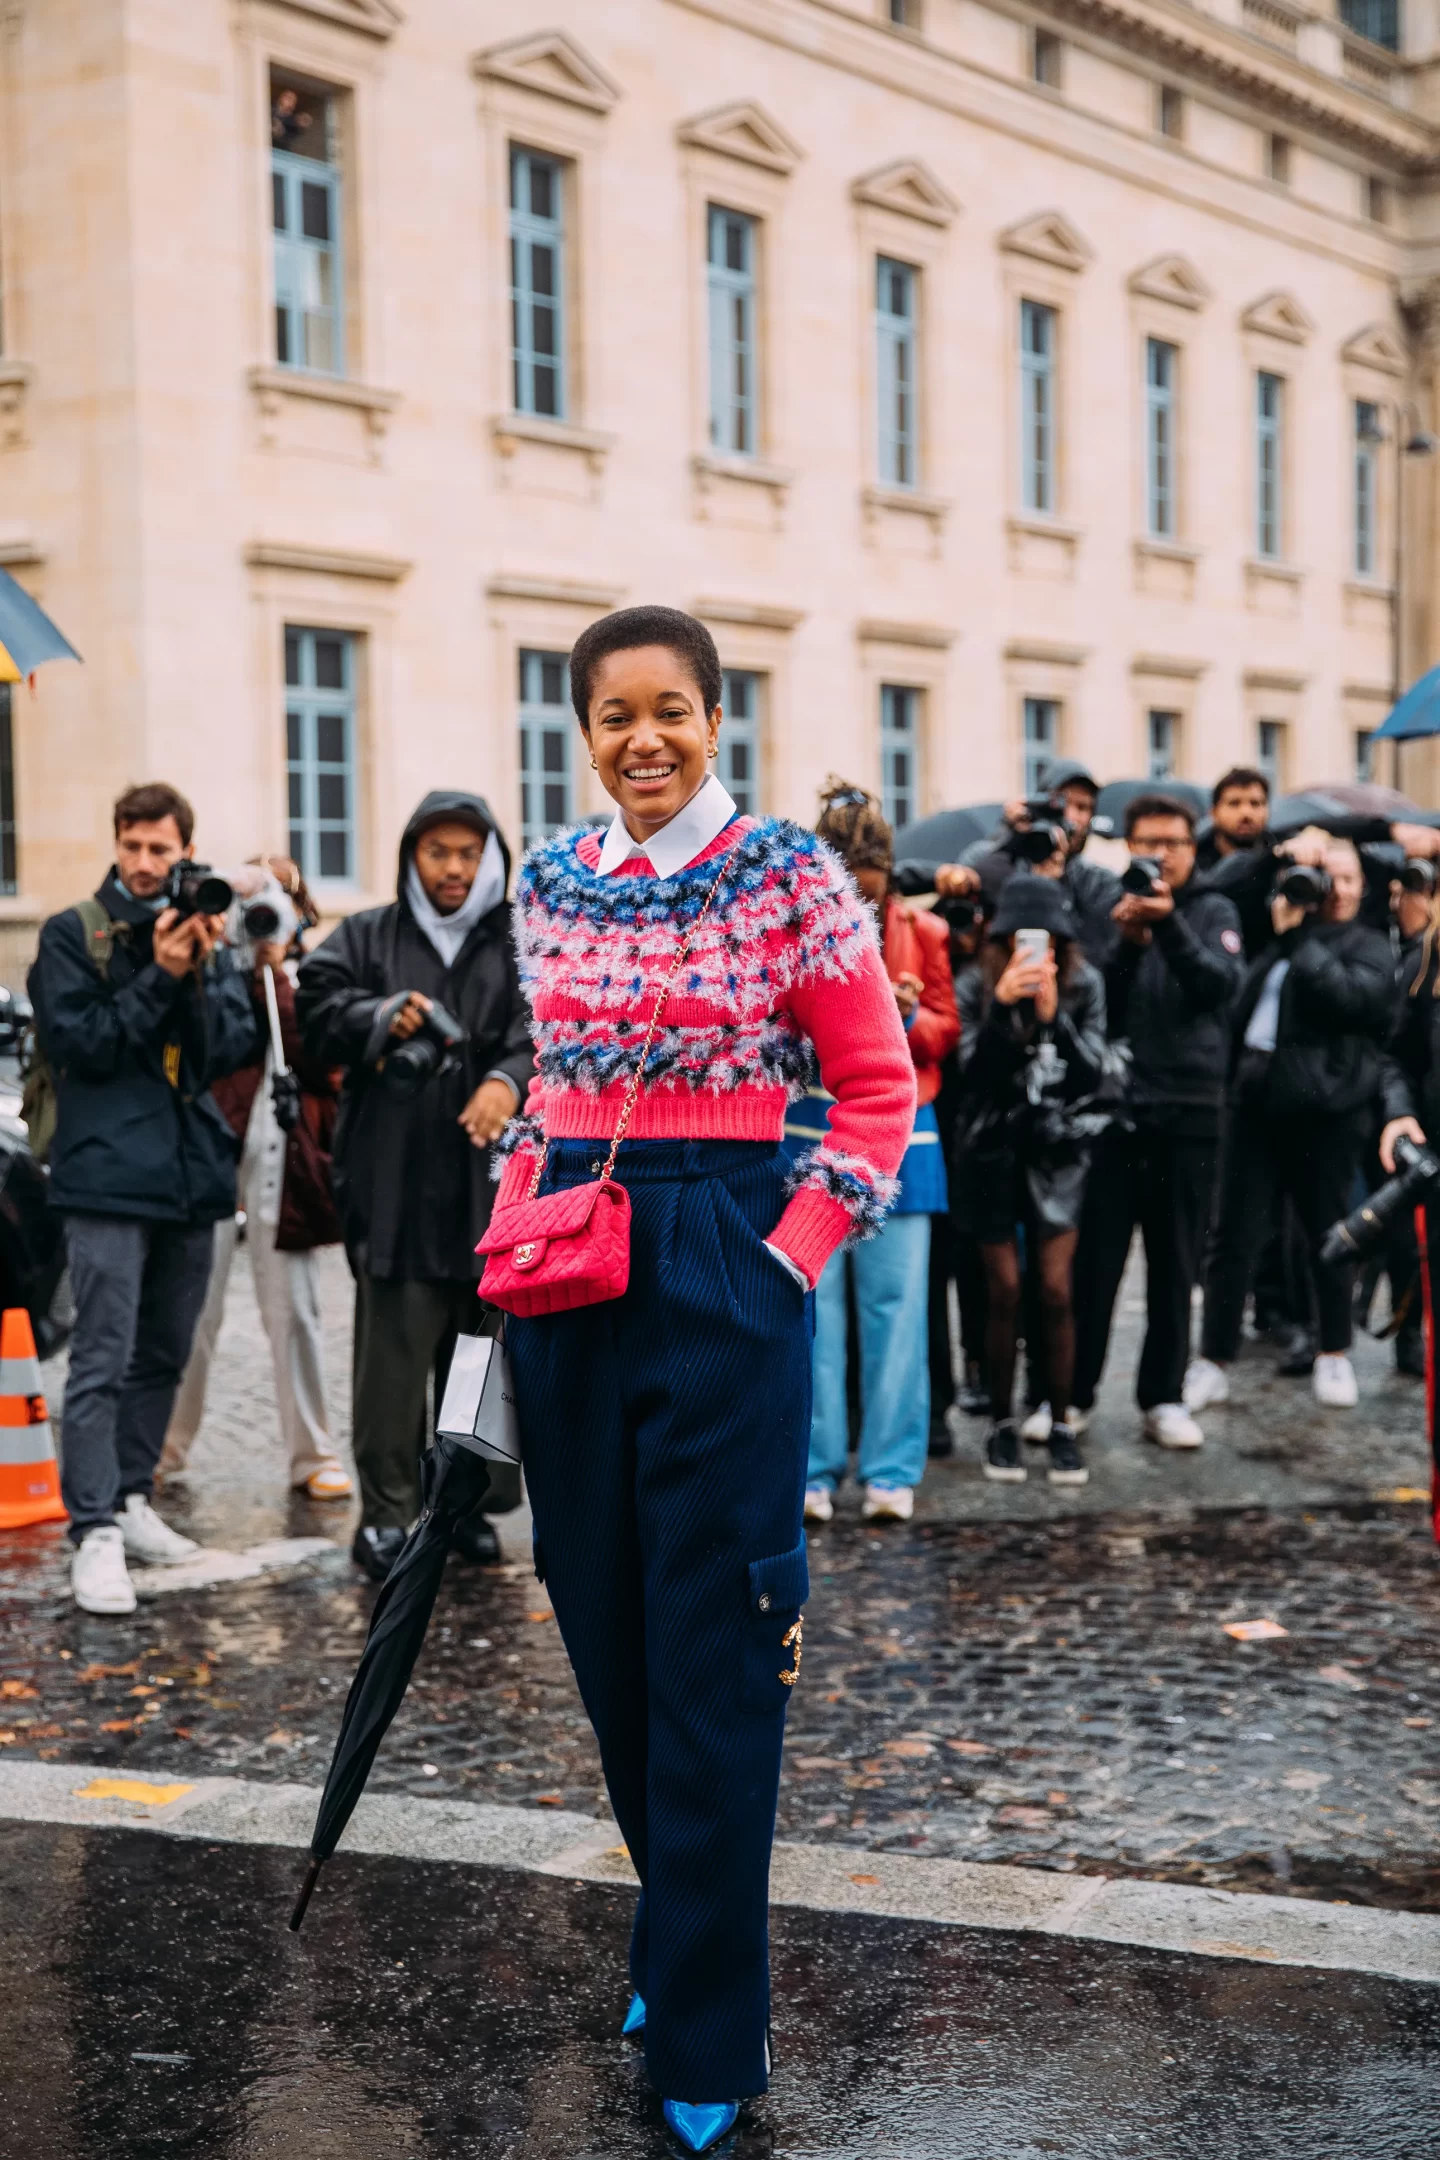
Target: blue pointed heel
(698, 2128)
(634, 2017)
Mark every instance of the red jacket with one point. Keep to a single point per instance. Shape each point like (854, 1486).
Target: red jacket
(917, 942)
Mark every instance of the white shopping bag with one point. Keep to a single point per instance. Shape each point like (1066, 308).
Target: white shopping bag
(479, 1405)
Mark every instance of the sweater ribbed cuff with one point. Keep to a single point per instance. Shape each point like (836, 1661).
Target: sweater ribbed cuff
(812, 1227)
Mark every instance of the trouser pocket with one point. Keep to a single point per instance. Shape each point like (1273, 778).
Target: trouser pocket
(774, 1629)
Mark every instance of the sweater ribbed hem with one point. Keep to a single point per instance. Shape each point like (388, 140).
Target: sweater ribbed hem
(749, 1113)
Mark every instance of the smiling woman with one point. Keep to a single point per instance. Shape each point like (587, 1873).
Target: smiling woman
(683, 969)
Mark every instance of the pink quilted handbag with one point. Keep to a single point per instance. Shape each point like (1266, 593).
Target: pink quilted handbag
(553, 1251)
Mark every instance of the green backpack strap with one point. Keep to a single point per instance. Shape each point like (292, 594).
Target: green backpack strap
(99, 934)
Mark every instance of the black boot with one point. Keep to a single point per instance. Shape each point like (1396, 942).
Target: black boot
(474, 1539)
(1002, 1454)
(377, 1551)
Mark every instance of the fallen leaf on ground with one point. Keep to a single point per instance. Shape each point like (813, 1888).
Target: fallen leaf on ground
(140, 1691)
(279, 1738)
(546, 1615)
(1340, 1676)
(549, 1799)
(865, 1878)
(119, 1724)
(969, 1747)
(1029, 1818)
(1255, 1630)
(908, 1747)
(1056, 1799)
(110, 1672)
(19, 1690)
(1409, 1493)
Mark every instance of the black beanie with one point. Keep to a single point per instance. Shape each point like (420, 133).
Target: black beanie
(1028, 902)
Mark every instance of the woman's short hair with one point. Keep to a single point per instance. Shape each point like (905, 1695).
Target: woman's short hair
(628, 629)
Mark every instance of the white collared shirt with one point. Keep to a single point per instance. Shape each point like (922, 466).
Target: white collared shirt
(687, 835)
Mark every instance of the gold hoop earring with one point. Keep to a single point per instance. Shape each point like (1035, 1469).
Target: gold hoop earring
(594, 765)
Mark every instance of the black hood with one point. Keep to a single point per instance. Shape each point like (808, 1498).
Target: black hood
(442, 806)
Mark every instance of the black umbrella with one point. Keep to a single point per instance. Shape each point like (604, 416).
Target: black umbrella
(942, 838)
(456, 1480)
(1117, 795)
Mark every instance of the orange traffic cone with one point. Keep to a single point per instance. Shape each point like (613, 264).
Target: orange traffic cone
(29, 1474)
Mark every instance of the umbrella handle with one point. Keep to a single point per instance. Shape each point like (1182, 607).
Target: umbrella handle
(312, 1876)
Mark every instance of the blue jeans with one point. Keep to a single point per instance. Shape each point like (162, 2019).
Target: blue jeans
(891, 1297)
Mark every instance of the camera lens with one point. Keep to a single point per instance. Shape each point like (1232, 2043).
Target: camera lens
(261, 919)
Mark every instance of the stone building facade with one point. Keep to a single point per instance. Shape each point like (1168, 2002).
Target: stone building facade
(995, 378)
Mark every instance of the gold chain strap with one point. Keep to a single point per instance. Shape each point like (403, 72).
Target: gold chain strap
(632, 1093)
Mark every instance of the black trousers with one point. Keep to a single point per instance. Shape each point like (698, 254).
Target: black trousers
(1164, 1182)
(1309, 1156)
(942, 1377)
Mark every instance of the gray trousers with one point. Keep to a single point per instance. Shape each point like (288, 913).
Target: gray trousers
(404, 1331)
(138, 1289)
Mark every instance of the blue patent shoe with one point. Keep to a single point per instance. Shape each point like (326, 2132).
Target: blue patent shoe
(698, 2128)
(634, 2017)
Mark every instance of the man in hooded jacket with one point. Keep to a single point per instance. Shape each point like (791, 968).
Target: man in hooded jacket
(412, 1170)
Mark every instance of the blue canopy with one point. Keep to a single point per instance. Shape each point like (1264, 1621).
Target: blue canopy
(1416, 714)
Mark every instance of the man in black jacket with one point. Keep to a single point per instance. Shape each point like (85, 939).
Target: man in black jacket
(412, 1170)
(1168, 990)
(137, 1011)
(1314, 1012)
(1091, 890)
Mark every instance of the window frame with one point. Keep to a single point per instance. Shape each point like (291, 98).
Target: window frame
(527, 230)
(1365, 489)
(724, 287)
(897, 739)
(9, 826)
(1172, 733)
(1037, 750)
(291, 249)
(747, 729)
(1047, 59)
(1268, 452)
(1270, 756)
(536, 720)
(1170, 112)
(897, 347)
(306, 827)
(1039, 373)
(1364, 750)
(1162, 440)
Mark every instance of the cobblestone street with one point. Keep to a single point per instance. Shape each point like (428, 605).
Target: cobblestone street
(1020, 1675)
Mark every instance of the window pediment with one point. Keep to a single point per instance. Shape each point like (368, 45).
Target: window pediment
(551, 63)
(1048, 238)
(746, 131)
(908, 188)
(376, 18)
(1379, 347)
(1279, 315)
(1171, 278)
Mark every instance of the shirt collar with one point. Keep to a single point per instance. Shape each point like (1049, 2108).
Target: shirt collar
(687, 835)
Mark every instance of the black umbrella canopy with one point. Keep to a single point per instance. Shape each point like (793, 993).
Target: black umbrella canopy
(1117, 795)
(944, 837)
(456, 1480)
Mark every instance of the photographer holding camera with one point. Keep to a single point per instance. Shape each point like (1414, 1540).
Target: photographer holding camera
(1169, 990)
(136, 1012)
(1314, 1013)
(1046, 831)
(420, 1001)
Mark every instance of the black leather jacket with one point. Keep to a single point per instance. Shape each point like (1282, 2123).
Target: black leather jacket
(1171, 1000)
(1337, 1008)
(1003, 1057)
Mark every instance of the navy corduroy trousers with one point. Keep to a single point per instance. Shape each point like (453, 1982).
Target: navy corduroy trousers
(664, 1436)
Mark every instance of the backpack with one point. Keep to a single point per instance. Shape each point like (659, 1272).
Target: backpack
(40, 1105)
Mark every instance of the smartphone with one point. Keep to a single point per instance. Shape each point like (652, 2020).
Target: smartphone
(1034, 942)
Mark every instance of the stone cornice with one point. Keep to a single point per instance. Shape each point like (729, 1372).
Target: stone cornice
(325, 562)
(1167, 33)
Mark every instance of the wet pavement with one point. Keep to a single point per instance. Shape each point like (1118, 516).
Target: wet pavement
(160, 2006)
(1021, 1675)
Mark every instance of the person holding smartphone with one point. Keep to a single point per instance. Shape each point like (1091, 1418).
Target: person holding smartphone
(1037, 1079)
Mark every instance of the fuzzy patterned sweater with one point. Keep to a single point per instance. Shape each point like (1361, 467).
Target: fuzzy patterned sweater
(785, 970)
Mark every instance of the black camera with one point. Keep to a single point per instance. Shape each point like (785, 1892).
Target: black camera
(1368, 1226)
(1302, 885)
(193, 888)
(431, 1049)
(1039, 839)
(1417, 876)
(1143, 876)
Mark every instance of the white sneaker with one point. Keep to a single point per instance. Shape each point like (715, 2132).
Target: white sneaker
(99, 1579)
(1170, 1425)
(1205, 1383)
(1036, 1427)
(819, 1507)
(888, 1503)
(1333, 1381)
(149, 1539)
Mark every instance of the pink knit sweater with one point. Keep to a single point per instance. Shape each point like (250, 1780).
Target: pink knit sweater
(785, 970)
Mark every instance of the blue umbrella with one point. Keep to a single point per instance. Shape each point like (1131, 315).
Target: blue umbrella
(1416, 714)
(27, 635)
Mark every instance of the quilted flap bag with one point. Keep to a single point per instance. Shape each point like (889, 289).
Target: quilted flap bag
(550, 1252)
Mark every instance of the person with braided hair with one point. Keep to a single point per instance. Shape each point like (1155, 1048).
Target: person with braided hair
(889, 1272)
